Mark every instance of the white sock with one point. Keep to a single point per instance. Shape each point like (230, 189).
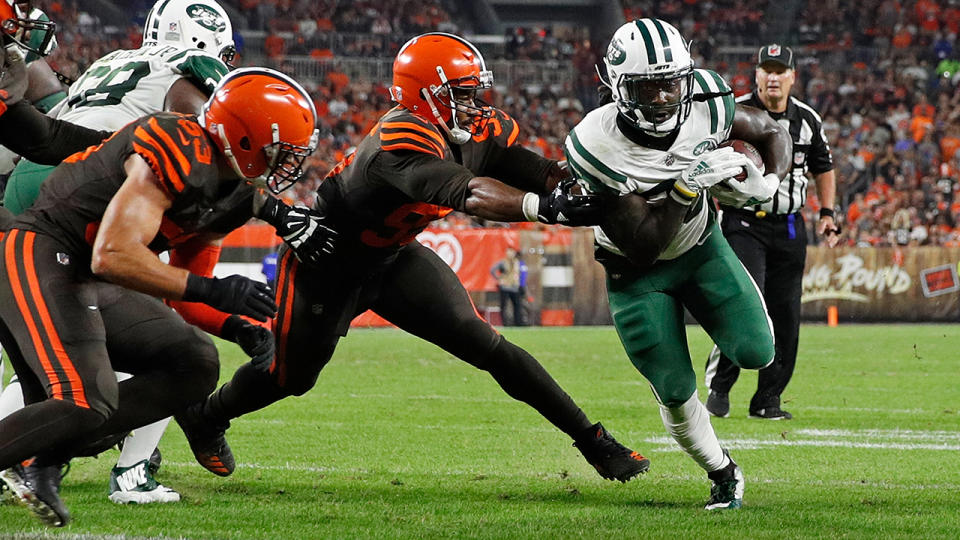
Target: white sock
(139, 444)
(11, 399)
(689, 425)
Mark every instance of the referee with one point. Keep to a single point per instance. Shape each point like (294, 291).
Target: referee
(771, 240)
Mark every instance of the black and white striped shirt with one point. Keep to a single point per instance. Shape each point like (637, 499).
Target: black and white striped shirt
(811, 152)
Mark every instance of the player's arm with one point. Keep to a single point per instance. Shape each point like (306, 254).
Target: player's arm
(199, 256)
(27, 131)
(121, 253)
(643, 230)
(184, 97)
(130, 223)
(428, 178)
(759, 129)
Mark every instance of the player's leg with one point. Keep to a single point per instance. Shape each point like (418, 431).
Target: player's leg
(422, 295)
(132, 478)
(305, 341)
(744, 235)
(782, 294)
(650, 324)
(57, 346)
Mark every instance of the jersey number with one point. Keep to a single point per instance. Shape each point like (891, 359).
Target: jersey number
(112, 84)
(404, 224)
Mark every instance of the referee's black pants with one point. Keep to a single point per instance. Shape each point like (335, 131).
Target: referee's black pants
(773, 249)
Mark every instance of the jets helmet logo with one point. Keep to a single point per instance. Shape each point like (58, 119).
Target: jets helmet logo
(616, 54)
(206, 17)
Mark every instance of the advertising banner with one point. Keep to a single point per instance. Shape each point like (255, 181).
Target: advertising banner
(882, 284)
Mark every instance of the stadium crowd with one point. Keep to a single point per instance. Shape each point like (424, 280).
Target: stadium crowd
(883, 74)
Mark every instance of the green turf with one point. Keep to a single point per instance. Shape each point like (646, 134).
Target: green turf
(400, 440)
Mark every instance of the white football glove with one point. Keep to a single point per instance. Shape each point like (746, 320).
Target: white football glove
(758, 188)
(713, 167)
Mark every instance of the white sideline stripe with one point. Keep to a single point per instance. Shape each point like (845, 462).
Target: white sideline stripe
(754, 444)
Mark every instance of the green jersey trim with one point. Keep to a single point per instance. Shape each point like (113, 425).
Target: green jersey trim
(596, 163)
(202, 69)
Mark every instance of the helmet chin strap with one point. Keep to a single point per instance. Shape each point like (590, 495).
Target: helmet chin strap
(456, 134)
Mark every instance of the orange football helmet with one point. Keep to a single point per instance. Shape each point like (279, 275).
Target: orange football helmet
(265, 123)
(438, 68)
(15, 25)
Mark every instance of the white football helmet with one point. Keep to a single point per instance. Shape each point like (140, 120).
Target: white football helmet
(650, 72)
(190, 24)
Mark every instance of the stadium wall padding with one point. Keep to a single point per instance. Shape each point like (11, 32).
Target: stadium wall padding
(566, 286)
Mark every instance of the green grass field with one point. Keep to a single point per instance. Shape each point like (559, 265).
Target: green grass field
(400, 440)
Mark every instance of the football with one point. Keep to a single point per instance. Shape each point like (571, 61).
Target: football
(748, 150)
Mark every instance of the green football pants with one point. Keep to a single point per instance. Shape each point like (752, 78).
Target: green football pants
(709, 281)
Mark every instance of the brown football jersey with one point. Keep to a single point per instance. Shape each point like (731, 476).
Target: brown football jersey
(181, 154)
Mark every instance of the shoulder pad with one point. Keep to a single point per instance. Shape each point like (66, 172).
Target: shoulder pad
(174, 145)
(587, 164)
(709, 87)
(200, 67)
(402, 130)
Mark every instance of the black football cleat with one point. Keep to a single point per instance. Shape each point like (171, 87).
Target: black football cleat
(718, 404)
(42, 496)
(611, 459)
(771, 413)
(208, 442)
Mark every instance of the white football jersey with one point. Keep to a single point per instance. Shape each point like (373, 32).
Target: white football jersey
(128, 84)
(604, 160)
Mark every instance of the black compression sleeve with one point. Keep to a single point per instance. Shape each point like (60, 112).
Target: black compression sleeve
(424, 177)
(520, 168)
(41, 139)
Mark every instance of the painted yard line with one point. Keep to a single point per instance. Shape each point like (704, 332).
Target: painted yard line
(868, 409)
(569, 474)
(895, 433)
(752, 444)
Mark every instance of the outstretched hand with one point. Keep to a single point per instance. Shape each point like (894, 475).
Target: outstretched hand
(563, 206)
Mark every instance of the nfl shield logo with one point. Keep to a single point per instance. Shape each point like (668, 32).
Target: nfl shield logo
(173, 27)
(63, 259)
(669, 160)
(773, 50)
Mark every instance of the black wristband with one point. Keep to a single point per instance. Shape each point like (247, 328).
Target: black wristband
(274, 211)
(198, 288)
(826, 212)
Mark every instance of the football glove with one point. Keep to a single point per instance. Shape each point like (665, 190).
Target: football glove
(237, 295)
(758, 188)
(302, 229)
(712, 168)
(256, 341)
(563, 207)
